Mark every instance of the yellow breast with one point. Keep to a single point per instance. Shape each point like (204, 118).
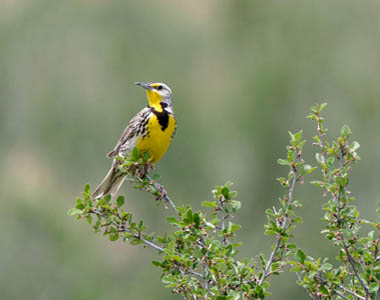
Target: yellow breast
(157, 139)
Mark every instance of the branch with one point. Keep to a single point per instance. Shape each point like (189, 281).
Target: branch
(377, 294)
(337, 198)
(325, 282)
(350, 292)
(136, 236)
(224, 218)
(164, 194)
(140, 238)
(356, 272)
(284, 225)
(307, 292)
(341, 295)
(207, 270)
(346, 250)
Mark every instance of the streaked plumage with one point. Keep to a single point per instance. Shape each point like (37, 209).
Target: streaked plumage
(151, 130)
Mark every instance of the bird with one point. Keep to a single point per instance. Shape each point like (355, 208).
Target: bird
(150, 130)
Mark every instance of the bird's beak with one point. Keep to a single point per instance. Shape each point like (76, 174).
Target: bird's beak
(145, 85)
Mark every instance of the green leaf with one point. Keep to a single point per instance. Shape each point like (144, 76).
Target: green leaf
(283, 162)
(74, 211)
(236, 205)
(196, 220)
(80, 204)
(373, 287)
(296, 269)
(145, 155)
(189, 215)
(107, 198)
(156, 263)
(323, 290)
(345, 131)
(316, 183)
(298, 137)
(237, 245)
(307, 169)
(314, 109)
(232, 227)
(173, 221)
(235, 296)
(326, 267)
(120, 201)
(300, 256)
(156, 176)
(297, 220)
(330, 161)
(209, 203)
(210, 224)
(275, 266)
(232, 195)
(316, 139)
(322, 106)
(114, 236)
(228, 251)
(89, 219)
(354, 146)
(269, 232)
(169, 279)
(135, 154)
(141, 226)
(87, 188)
(228, 184)
(342, 181)
(225, 192)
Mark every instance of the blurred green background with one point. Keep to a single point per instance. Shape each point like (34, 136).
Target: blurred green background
(243, 73)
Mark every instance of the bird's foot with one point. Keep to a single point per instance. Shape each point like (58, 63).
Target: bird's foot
(162, 193)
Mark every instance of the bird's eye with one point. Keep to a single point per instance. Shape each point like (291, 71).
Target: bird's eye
(159, 87)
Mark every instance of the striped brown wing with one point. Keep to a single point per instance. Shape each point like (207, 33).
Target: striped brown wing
(134, 128)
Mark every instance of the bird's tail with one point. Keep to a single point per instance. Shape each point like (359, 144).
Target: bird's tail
(111, 183)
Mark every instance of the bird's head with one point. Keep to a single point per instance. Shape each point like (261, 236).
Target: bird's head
(158, 93)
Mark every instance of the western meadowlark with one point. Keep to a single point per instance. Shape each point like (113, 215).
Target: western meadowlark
(151, 130)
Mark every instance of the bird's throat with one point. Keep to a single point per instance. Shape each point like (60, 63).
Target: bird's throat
(154, 99)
